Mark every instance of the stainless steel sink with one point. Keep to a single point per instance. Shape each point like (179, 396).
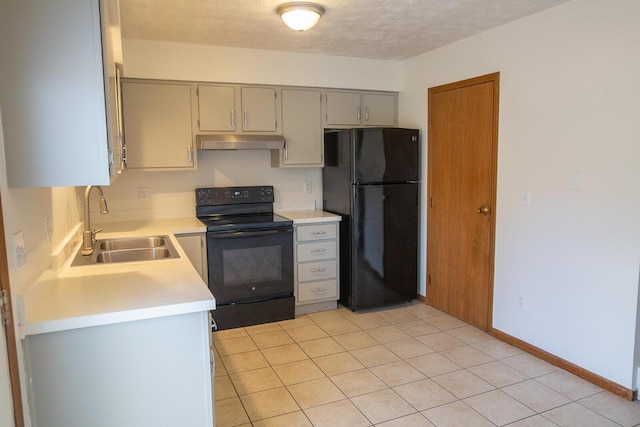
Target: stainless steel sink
(132, 243)
(127, 255)
(128, 249)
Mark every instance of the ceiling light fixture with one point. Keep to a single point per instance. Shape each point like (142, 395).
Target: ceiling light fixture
(300, 16)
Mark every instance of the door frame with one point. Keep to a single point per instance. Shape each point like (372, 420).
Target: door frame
(495, 79)
(9, 329)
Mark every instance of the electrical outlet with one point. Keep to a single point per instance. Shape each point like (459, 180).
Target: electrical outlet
(526, 199)
(143, 194)
(19, 249)
(306, 189)
(521, 301)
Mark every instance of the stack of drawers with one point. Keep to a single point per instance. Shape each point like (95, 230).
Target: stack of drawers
(316, 272)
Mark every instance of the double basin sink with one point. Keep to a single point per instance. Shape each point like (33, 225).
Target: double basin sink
(128, 249)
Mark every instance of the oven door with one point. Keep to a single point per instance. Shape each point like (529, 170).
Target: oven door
(250, 265)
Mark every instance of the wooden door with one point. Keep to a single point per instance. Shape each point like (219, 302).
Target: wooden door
(462, 156)
(8, 333)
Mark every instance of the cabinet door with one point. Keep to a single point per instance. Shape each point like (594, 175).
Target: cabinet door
(343, 108)
(157, 125)
(52, 93)
(216, 108)
(194, 246)
(379, 109)
(302, 128)
(258, 109)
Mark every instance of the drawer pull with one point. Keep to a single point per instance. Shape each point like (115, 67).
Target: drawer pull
(318, 289)
(318, 233)
(318, 270)
(318, 250)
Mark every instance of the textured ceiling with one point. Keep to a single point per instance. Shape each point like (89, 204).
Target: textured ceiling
(382, 29)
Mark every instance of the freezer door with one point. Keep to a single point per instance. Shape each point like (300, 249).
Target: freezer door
(336, 174)
(385, 155)
(384, 243)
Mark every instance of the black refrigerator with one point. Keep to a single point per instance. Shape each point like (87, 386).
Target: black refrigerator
(371, 179)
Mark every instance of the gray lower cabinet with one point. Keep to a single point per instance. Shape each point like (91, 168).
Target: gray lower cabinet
(316, 266)
(195, 246)
(144, 373)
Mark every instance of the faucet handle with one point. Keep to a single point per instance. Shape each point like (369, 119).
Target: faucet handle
(93, 234)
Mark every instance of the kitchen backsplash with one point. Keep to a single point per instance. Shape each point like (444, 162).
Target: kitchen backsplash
(171, 193)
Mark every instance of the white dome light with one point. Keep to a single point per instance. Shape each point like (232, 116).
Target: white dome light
(300, 16)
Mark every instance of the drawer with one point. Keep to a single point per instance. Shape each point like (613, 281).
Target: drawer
(306, 233)
(308, 292)
(316, 251)
(315, 271)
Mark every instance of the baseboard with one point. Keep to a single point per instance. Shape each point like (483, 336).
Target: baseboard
(596, 379)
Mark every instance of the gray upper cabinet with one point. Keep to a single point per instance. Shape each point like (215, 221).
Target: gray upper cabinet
(301, 128)
(353, 108)
(379, 109)
(57, 80)
(235, 108)
(157, 125)
(343, 108)
(259, 109)
(216, 108)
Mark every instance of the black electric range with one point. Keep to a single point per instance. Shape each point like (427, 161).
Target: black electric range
(249, 255)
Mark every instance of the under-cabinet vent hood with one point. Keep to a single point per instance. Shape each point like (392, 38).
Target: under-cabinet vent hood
(240, 142)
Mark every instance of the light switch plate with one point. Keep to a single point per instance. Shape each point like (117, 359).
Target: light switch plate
(20, 249)
(48, 226)
(576, 181)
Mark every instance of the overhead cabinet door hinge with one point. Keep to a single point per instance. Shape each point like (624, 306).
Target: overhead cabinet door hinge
(4, 307)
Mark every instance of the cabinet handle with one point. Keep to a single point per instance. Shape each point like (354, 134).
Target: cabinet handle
(318, 233)
(318, 270)
(190, 150)
(286, 151)
(245, 118)
(233, 119)
(358, 113)
(366, 114)
(318, 289)
(318, 250)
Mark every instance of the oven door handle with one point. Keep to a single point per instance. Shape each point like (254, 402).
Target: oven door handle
(239, 234)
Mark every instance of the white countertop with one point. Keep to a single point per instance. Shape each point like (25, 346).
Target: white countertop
(309, 216)
(94, 295)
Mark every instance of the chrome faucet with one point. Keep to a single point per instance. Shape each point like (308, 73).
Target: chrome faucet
(89, 235)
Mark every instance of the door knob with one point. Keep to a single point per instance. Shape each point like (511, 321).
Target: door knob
(483, 210)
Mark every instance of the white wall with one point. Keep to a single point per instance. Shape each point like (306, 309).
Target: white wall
(568, 102)
(172, 193)
(174, 61)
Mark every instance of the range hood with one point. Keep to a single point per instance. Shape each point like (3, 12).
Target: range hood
(240, 142)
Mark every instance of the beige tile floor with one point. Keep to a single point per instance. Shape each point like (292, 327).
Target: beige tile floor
(409, 365)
